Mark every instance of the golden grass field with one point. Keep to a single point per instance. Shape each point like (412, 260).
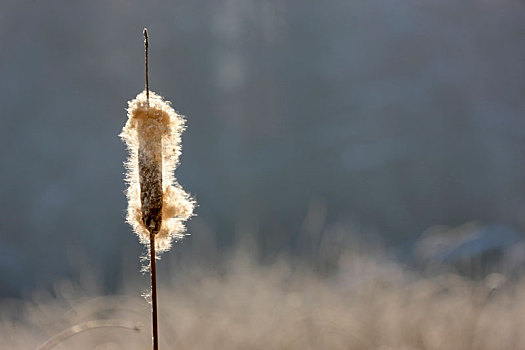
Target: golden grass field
(369, 303)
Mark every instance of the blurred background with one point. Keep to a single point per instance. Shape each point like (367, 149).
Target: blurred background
(312, 126)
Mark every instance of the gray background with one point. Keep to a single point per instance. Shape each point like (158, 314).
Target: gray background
(377, 117)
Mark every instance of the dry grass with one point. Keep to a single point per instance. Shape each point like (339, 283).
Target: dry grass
(367, 305)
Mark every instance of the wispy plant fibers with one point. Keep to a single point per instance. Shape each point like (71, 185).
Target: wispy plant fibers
(156, 202)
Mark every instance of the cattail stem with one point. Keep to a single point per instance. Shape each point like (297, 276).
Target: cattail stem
(150, 173)
(146, 48)
(153, 273)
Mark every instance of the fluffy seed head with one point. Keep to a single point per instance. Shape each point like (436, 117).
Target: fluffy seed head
(156, 202)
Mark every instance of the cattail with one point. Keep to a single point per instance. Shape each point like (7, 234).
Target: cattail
(157, 205)
(156, 202)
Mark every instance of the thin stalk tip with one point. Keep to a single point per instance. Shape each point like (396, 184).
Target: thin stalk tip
(146, 48)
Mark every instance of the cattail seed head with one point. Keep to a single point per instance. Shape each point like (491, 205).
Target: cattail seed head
(157, 204)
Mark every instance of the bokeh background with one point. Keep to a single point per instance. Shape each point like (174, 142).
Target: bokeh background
(311, 126)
